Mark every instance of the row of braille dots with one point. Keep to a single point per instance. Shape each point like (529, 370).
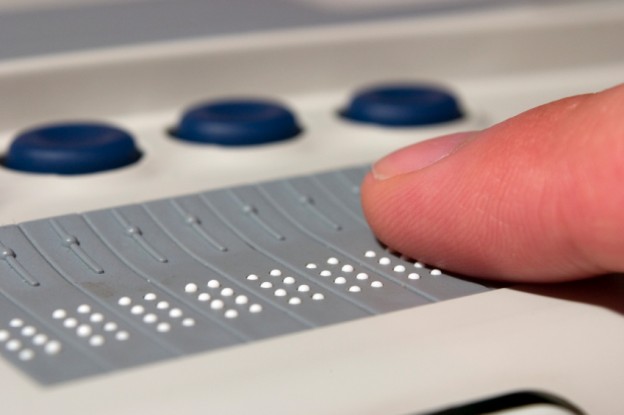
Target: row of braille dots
(162, 307)
(346, 270)
(400, 268)
(284, 285)
(30, 333)
(226, 294)
(90, 325)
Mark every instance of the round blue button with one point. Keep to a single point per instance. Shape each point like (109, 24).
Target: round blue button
(237, 123)
(71, 149)
(403, 105)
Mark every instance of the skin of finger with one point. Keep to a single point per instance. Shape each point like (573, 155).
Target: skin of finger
(535, 198)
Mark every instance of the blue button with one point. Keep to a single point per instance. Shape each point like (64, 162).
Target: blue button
(237, 123)
(71, 149)
(403, 105)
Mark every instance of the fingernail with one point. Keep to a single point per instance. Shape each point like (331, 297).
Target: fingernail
(418, 156)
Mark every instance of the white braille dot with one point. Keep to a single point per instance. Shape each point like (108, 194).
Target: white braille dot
(332, 261)
(125, 301)
(188, 322)
(4, 335)
(84, 309)
(227, 292)
(217, 305)
(203, 297)
(252, 277)
(376, 284)
(294, 301)
(241, 299)
(289, 280)
(190, 287)
(175, 313)
(110, 326)
(163, 327)
(124, 335)
(413, 276)
(231, 314)
(303, 288)
(355, 289)
(52, 347)
(370, 254)
(436, 272)
(266, 284)
(16, 322)
(311, 266)
(325, 273)
(13, 345)
(59, 314)
(399, 268)
(29, 331)
(150, 318)
(162, 305)
(362, 276)
(137, 309)
(255, 308)
(214, 284)
(340, 280)
(347, 268)
(318, 296)
(275, 273)
(83, 330)
(26, 355)
(418, 265)
(96, 318)
(280, 292)
(384, 260)
(70, 323)
(40, 339)
(149, 297)
(96, 341)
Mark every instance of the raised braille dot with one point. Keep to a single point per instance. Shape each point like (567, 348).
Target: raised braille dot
(162, 305)
(347, 268)
(96, 341)
(266, 284)
(40, 339)
(280, 292)
(16, 322)
(175, 313)
(399, 268)
(227, 292)
(384, 261)
(303, 288)
(241, 299)
(83, 330)
(231, 314)
(84, 309)
(311, 266)
(13, 345)
(289, 280)
(362, 276)
(4, 335)
(52, 347)
(137, 309)
(150, 318)
(70, 323)
(203, 297)
(436, 272)
(110, 326)
(418, 265)
(163, 327)
(124, 335)
(188, 322)
(340, 280)
(26, 355)
(217, 304)
(355, 289)
(318, 297)
(370, 254)
(294, 301)
(325, 273)
(96, 318)
(29, 331)
(59, 314)
(376, 284)
(214, 284)
(413, 276)
(255, 308)
(125, 301)
(190, 288)
(252, 277)
(332, 261)
(149, 297)
(275, 273)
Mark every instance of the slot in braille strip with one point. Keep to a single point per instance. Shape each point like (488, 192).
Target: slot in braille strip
(10, 257)
(73, 244)
(137, 235)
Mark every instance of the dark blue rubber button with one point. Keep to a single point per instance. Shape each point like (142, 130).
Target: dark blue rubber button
(403, 105)
(237, 123)
(71, 149)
